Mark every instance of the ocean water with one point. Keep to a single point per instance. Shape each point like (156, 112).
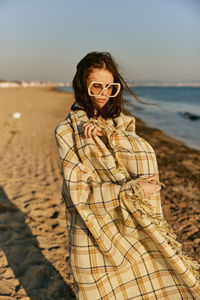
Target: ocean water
(181, 118)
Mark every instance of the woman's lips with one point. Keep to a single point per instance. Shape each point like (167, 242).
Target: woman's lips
(101, 100)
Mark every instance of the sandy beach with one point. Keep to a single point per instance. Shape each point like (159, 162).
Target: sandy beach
(33, 237)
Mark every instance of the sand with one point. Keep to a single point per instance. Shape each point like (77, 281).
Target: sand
(33, 238)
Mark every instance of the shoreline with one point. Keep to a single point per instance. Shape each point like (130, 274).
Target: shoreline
(33, 241)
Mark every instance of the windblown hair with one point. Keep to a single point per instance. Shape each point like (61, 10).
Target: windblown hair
(98, 60)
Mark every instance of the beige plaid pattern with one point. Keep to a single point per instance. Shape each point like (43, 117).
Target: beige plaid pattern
(116, 245)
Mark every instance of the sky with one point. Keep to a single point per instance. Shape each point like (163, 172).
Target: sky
(150, 39)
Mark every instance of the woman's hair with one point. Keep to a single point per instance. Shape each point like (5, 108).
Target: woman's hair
(98, 60)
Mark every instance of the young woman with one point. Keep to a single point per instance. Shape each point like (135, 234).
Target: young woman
(120, 246)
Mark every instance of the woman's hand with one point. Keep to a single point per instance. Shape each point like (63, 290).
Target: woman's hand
(149, 186)
(92, 130)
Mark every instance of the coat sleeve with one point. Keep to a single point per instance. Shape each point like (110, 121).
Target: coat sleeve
(85, 192)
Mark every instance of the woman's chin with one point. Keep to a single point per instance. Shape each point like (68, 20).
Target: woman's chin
(101, 102)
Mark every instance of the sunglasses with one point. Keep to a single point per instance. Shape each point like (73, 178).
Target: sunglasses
(97, 88)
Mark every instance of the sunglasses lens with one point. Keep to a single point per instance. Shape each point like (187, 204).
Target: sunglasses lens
(113, 90)
(96, 88)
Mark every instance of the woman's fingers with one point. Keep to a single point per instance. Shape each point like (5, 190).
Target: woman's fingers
(156, 188)
(86, 123)
(150, 188)
(92, 130)
(87, 130)
(99, 133)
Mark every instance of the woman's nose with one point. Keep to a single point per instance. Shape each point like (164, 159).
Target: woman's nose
(104, 92)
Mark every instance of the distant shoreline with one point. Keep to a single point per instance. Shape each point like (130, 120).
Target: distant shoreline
(165, 85)
(24, 83)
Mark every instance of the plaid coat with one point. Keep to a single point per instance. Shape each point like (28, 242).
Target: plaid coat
(120, 246)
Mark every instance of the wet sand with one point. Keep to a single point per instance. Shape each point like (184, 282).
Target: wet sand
(33, 237)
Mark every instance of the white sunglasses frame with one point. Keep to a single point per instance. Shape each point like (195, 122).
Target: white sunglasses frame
(104, 88)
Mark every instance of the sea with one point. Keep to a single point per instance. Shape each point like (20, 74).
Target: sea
(178, 115)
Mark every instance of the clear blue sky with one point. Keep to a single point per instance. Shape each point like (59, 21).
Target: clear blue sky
(150, 39)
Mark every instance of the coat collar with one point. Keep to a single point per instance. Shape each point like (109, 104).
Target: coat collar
(122, 122)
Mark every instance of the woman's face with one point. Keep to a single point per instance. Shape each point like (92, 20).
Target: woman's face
(104, 76)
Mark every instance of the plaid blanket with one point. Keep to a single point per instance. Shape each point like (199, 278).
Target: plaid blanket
(120, 246)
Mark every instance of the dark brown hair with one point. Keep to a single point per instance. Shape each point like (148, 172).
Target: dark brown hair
(99, 60)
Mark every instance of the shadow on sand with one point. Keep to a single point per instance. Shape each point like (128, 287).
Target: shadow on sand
(36, 274)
